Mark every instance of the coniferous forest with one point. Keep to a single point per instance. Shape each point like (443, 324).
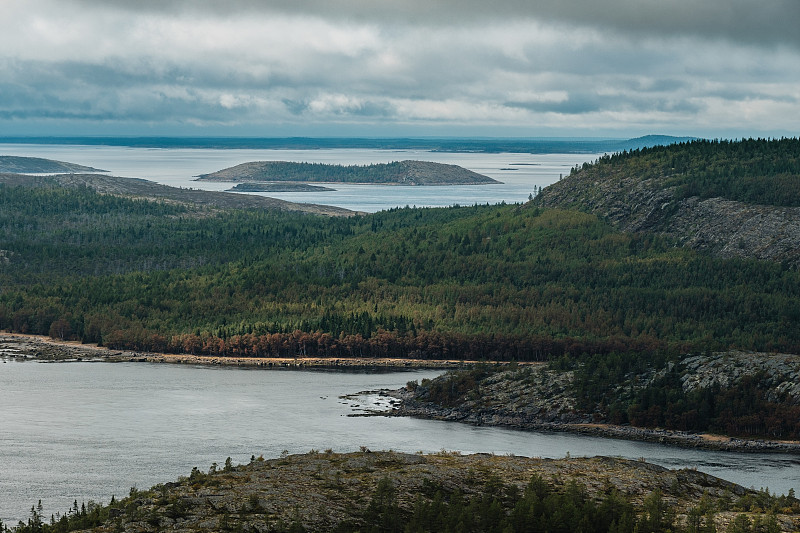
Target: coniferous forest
(482, 282)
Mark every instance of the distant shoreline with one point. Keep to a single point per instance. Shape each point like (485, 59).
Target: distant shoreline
(43, 348)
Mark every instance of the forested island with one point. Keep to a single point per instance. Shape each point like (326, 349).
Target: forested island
(397, 492)
(395, 173)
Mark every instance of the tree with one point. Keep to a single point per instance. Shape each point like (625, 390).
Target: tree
(60, 329)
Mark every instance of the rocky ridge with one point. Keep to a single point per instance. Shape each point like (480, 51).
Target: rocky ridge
(320, 491)
(723, 227)
(38, 165)
(140, 188)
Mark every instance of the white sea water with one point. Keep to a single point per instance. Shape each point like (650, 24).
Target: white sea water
(177, 167)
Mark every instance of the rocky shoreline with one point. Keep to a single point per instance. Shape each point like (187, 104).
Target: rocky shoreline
(408, 406)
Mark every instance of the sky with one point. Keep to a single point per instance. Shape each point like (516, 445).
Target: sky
(383, 68)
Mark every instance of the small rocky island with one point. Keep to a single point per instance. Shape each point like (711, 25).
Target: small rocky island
(395, 173)
(278, 187)
(38, 165)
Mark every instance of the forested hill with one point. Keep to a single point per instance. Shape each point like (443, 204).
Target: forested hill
(732, 198)
(467, 283)
(37, 165)
(395, 173)
(144, 189)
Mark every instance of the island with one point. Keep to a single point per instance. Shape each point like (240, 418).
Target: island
(38, 165)
(278, 187)
(395, 173)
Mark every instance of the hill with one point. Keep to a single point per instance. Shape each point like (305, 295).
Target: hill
(144, 189)
(480, 282)
(396, 173)
(37, 165)
(730, 198)
(394, 492)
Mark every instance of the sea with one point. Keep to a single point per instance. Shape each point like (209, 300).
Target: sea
(519, 173)
(89, 430)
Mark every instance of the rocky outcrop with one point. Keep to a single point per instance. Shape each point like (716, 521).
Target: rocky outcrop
(37, 165)
(538, 398)
(725, 228)
(325, 491)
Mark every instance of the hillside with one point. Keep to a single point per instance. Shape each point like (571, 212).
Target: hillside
(395, 492)
(729, 198)
(144, 189)
(737, 394)
(396, 173)
(37, 165)
(480, 282)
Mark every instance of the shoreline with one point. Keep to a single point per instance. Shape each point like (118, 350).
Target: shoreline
(44, 348)
(683, 439)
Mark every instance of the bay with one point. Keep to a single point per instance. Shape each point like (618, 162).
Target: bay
(84, 431)
(177, 167)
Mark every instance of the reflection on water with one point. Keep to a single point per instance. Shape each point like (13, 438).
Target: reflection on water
(89, 430)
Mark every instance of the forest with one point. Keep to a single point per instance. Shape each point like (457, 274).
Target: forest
(754, 171)
(397, 172)
(505, 282)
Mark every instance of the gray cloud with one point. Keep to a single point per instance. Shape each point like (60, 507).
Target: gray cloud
(766, 23)
(529, 67)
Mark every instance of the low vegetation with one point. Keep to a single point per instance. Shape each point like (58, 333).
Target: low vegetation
(393, 492)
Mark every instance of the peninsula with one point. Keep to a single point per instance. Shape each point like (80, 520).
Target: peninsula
(395, 173)
(38, 165)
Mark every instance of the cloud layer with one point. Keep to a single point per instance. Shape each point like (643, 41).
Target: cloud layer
(567, 68)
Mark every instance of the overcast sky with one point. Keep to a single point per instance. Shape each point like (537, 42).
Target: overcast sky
(620, 68)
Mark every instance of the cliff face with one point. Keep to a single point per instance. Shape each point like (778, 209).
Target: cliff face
(723, 227)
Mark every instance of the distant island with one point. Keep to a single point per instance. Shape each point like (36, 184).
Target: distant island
(278, 187)
(395, 173)
(38, 165)
(524, 145)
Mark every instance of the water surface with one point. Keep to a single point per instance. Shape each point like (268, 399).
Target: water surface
(89, 430)
(177, 167)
